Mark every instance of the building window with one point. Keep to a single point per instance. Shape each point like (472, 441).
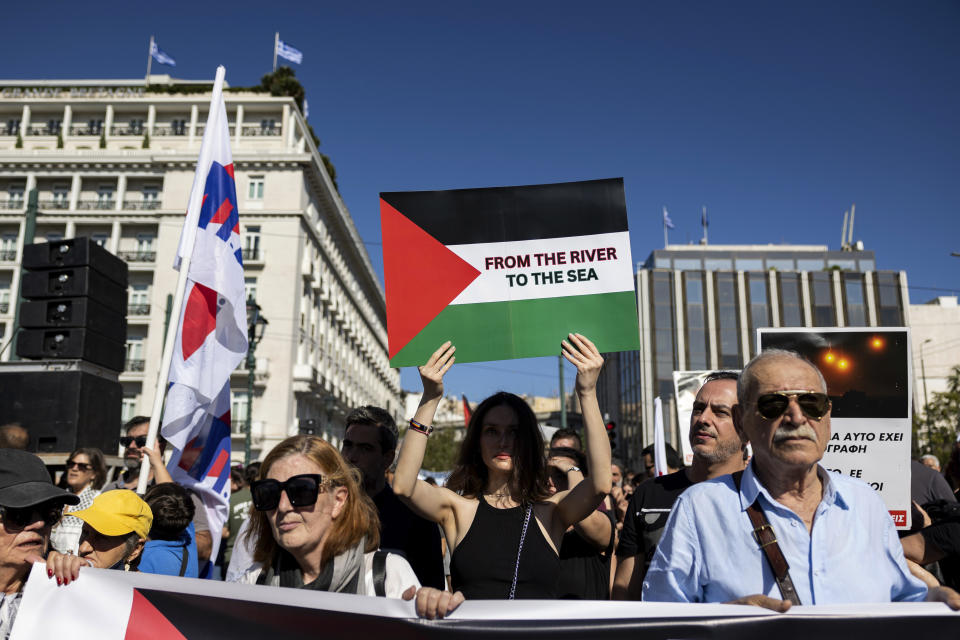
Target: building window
(13, 127)
(268, 126)
(250, 288)
(749, 264)
(5, 297)
(53, 126)
(15, 196)
(138, 300)
(178, 126)
(145, 242)
(251, 243)
(758, 301)
(8, 246)
(150, 197)
(821, 288)
(136, 126)
(888, 300)
(697, 352)
(239, 403)
(61, 197)
(780, 264)
(809, 265)
(94, 127)
(663, 327)
(728, 320)
(105, 196)
(791, 312)
(687, 264)
(718, 264)
(100, 239)
(134, 354)
(255, 188)
(855, 303)
(128, 408)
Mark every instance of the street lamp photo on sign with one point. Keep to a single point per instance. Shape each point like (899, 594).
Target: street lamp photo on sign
(868, 377)
(507, 272)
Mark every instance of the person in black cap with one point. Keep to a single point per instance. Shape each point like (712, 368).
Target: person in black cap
(30, 505)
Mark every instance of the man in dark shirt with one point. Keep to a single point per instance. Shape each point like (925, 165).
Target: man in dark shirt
(717, 451)
(369, 444)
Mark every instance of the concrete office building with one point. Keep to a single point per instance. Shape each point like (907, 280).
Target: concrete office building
(700, 306)
(115, 160)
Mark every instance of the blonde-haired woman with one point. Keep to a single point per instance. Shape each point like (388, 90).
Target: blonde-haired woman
(313, 526)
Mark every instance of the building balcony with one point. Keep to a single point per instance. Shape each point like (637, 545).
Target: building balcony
(4, 307)
(141, 205)
(138, 309)
(134, 366)
(138, 256)
(260, 131)
(105, 205)
(126, 130)
(169, 130)
(53, 204)
(11, 204)
(8, 255)
(252, 255)
(85, 130)
(10, 131)
(42, 130)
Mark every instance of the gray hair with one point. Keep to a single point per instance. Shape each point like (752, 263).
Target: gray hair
(746, 381)
(930, 456)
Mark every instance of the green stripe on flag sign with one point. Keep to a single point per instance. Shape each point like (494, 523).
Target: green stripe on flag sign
(526, 328)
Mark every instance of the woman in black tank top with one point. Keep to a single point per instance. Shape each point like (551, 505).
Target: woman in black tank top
(503, 525)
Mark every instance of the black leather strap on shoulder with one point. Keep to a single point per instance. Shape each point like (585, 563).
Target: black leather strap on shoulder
(184, 559)
(380, 573)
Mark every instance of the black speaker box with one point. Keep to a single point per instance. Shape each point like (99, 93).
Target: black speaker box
(73, 312)
(77, 406)
(73, 282)
(71, 343)
(75, 252)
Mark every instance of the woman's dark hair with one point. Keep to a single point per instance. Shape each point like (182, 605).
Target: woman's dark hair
(97, 461)
(172, 508)
(470, 474)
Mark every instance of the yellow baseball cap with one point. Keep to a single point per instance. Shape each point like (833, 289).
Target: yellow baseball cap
(117, 513)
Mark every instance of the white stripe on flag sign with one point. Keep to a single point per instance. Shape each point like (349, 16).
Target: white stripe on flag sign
(287, 52)
(161, 56)
(591, 264)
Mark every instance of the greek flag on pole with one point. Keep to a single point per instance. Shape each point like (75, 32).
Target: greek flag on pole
(287, 52)
(667, 222)
(160, 56)
(211, 338)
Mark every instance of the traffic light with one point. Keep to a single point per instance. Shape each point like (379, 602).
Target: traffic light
(612, 434)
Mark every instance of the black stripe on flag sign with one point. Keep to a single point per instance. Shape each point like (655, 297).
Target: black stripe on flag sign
(500, 214)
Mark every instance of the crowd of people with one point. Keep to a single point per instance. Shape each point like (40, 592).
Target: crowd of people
(517, 517)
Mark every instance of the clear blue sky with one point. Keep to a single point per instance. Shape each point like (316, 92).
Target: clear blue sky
(775, 115)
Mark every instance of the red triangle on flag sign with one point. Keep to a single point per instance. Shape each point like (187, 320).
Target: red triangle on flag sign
(147, 623)
(422, 276)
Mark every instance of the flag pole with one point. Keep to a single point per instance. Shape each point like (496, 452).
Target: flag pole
(171, 339)
(703, 221)
(276, 43)
(665, 228)
(149, 58)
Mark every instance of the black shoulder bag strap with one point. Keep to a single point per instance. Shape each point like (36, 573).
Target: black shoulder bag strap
(764, 535)
(380, 573)
(184, 559)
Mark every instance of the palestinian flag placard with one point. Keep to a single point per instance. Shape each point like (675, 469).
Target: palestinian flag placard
(507, 272)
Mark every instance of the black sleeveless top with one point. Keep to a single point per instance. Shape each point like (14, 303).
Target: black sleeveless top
(584, 569)
(483, 563)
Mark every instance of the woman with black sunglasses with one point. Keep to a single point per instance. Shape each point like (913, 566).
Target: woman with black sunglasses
(313, 526)
(496, 511)
(86, 472)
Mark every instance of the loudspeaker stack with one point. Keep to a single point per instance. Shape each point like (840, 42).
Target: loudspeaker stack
(73, 321)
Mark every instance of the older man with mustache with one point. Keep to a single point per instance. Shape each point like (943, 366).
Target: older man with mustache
(785, 531)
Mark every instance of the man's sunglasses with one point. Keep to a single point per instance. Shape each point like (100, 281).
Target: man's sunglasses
(82, 466)
(126, 441)
(20, 518)
(301, 490)
(813, 404)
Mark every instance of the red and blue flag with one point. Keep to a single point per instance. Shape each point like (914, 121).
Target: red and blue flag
(211, 338)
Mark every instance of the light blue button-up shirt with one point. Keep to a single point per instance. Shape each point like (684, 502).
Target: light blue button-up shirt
(852, 554)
